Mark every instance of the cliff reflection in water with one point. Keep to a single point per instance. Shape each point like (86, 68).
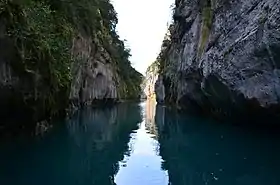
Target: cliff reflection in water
(120, 146)
(86, 150)
(144, 165)
(150, 117)
(199, 152)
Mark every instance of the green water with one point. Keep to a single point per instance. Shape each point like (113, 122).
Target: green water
(140, 144)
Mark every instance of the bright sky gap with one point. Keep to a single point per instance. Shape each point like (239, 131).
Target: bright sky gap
(143, 23)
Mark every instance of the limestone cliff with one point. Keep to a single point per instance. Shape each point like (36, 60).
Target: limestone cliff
(55, 53)
(95, 78)
(222, 57)
(150, 80)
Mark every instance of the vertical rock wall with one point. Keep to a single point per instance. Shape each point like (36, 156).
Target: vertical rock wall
(95, 76)
(223, 57)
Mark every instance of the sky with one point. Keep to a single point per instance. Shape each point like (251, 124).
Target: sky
(143, 23)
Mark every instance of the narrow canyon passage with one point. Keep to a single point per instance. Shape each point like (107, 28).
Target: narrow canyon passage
(141, 143)
(79, 82)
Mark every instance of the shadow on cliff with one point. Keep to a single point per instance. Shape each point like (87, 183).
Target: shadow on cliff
(215, 99)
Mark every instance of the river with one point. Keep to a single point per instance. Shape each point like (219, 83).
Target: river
(142, 144)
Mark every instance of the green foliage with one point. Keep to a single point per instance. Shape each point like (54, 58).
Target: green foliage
(131, 78)
(132, 81)
(42, 39)
(42, 32)
(82, 14)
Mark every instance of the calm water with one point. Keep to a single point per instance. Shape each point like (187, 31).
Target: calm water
(141, 144)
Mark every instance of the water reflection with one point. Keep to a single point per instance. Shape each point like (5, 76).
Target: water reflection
(197, 151)
(86, 150)
(150, 111)
(143, 166)
(132, 144)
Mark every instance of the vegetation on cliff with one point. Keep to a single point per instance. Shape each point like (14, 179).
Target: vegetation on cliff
(39, 35)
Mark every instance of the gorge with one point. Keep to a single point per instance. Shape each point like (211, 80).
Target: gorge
(71, 109)
(218, 58)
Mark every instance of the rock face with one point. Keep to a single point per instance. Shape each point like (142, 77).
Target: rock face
(160, 90)
(150, 79)
(95, 78)
(11, 86)
(56, 53)
(223, 57)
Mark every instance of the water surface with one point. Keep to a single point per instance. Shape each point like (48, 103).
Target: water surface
(142, 144)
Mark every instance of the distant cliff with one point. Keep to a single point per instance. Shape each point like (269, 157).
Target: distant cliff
(55, 54)
(151, 77)
(222, 58)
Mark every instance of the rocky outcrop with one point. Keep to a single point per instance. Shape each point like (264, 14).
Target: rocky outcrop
(95, 78)
(150, 80)
(223, 57)
(160, 90)
(14, 91)
(56, 53)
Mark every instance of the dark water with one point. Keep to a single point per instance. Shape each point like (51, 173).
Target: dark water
(138, 144)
